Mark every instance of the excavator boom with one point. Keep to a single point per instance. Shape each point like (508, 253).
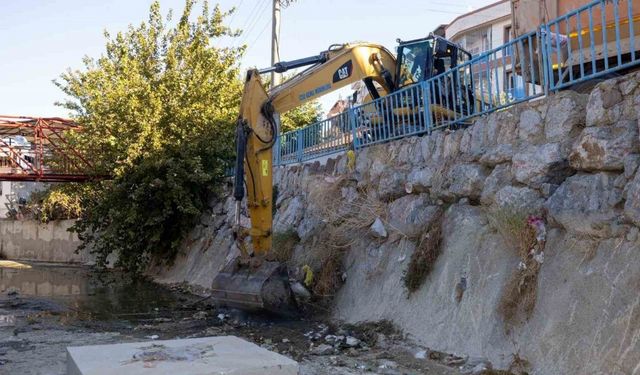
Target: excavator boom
(254, 281)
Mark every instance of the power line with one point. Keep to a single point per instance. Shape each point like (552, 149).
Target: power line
(253, 43)
(233, 16)
(251, 14)
(257, 17)
(255, 22)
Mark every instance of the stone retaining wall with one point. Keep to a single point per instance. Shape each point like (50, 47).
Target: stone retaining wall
(569, 158)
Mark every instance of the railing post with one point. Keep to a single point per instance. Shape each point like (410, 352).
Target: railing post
(299, 145)
(546, 61)
(426, 101)
(354, 127)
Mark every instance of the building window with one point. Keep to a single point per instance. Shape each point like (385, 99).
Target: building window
(507, 38)
(478, 40)
(507, 33)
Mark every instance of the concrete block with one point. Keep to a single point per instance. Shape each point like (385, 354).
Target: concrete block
(228, 355)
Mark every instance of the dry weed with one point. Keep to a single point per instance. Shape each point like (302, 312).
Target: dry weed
(345, 217)
(346, 213)
(511, 223)
(520, 293)
(519, 365)
(329, 277)
(461, 287)
(495, 372)
(283, 245)
(425, 256)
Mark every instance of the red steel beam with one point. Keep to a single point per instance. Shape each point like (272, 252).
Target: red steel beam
(51, 177)
(39, 130)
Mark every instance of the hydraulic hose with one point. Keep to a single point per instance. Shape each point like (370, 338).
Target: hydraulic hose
(241, 147)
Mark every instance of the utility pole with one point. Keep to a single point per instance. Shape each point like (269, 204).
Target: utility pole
(275, 41)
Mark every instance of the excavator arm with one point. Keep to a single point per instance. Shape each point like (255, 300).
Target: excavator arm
(334, 69)
(253, 281)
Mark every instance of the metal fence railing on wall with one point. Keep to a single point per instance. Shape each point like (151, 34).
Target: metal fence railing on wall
(482, 85)
(592, 41)
(488, 82)
(589, 42)
(313, 141)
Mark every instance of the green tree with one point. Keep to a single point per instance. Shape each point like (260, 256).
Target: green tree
(155, 86)
(158, 111)
(301, 116)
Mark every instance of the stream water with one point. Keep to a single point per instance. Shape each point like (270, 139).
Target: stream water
(102, 296)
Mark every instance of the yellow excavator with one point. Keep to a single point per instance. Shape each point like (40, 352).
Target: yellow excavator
(253, 281)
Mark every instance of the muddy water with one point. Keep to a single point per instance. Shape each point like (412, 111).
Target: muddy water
(103, 296)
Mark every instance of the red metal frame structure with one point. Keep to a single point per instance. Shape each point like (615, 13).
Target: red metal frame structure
(35, 149)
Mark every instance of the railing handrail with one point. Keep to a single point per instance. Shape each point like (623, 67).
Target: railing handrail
(423, 107)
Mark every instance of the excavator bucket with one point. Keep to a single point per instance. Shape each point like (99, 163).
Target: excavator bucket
(261, 288)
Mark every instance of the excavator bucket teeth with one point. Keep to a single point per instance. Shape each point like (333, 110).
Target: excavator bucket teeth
(254, 288)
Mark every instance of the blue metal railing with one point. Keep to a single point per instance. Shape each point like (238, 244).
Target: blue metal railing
(592, 41)
(589, 42)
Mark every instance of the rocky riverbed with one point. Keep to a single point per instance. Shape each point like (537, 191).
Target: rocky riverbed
(45, 308)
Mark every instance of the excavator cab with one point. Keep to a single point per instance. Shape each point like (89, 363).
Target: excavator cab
(423, 59)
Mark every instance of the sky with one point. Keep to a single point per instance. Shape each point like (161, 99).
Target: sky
(40, 39)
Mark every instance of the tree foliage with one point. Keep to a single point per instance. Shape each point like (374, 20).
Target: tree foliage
(301, 116)
(145, 213)
(155, 86)
(59, 202)
(158, 110)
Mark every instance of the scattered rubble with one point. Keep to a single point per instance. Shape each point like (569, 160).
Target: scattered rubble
(321, 347)
(378, 230)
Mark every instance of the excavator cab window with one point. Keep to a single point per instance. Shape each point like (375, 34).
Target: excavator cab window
(445, 56)
(423, 59)
(412, 62)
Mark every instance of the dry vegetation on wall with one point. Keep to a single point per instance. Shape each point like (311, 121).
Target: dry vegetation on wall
(520, 293)
(283, 245)
(329, 277)
(425, 256)
(347, 213)
(519, 365)
(347, 210)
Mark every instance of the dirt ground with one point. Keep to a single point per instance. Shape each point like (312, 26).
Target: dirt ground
(36, 329)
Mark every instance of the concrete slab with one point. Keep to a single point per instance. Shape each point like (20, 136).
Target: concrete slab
(228, 355)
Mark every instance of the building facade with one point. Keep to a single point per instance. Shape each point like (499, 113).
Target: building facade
(483, 30)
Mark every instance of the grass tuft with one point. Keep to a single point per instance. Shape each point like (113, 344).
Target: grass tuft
(519, 295)
(425, 256)
(284, 244)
